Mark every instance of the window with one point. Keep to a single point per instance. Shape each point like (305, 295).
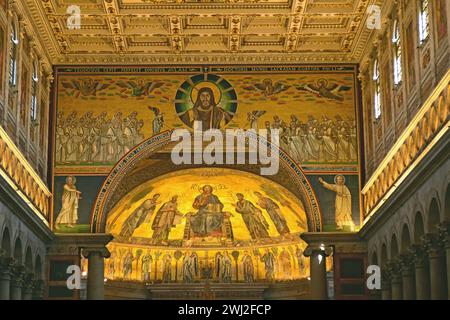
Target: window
(397, 46)
(424, 21)
(377, 94)
(34, 85)
(13, 56)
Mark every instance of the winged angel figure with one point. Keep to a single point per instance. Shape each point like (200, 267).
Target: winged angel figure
(84, 87)
(140, 88)
(268, 88)
(324, 90)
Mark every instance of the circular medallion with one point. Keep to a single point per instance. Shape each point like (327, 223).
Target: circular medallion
(207, 98)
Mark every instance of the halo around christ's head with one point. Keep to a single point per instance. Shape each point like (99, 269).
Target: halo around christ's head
(222, 90)
(205, 84)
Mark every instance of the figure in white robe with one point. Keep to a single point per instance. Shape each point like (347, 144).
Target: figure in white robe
(69, 207)
(343, 203)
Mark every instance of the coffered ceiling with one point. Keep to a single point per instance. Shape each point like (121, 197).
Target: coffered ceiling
(208, 31)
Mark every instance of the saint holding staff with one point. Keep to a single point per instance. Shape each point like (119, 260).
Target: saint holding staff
(142, 213)
(166, 218)
(252, 216)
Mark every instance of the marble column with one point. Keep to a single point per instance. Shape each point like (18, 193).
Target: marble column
(396, 280)
(375, 294)
(396, 285)
(386, 290)
(444, 233)
(318, 271)
(5, 277)
(38, 289)
(27, 290)
(17, 282)
(421, 270)
(408, 282)
(436, 259)
(96, 274)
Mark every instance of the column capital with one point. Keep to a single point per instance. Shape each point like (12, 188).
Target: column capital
(432, 244)
(444, 233)
(393, 268)
(28, 280)
(406, 264)
(385, 278)
(102, 251)
(316, 248)
(418, 254)
(6, 267)
(18, 275)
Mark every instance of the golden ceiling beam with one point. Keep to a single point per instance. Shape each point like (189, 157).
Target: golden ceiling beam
(292, 35)
(140, 30)
(111, 9)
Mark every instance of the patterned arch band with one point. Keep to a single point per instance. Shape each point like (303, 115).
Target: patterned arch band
(154, 143)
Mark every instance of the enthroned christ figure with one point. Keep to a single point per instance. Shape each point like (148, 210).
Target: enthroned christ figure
(209, 218)
(206, 112)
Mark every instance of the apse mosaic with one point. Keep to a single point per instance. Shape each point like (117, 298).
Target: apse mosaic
(219, 221)
(101, 113)
(198, 207)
